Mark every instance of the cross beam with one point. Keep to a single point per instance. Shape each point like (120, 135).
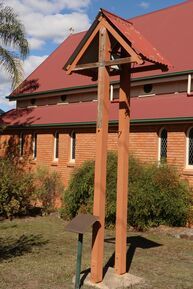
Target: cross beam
(90, 68)
(113, 62)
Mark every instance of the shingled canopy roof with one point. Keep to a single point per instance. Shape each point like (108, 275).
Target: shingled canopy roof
(122, 34)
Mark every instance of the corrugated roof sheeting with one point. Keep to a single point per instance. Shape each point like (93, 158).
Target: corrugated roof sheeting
(138, 42)
(154, 107)
(169, 30)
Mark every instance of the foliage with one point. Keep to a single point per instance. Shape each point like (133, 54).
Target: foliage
(158, 197)
(12, 34)
(156, 194)
(21, 190)
(16, 189)
(48, 186)
(78, 197)
(190, 214)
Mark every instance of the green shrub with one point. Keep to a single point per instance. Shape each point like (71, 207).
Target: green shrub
(78, 197)
(190, 215)
(48, 187)
(156, 194)
(158, 197)
(16, 189)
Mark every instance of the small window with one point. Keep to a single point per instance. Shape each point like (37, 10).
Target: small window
(111, 92)
(73, 146)
(190, 147)
(56, 146)
(34, 146)
(148, 88)
(163, 145)
(33, 101)
(63, 98)
(21, 144)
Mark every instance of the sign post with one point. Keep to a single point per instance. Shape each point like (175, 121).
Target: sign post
(78, 260)
(80, 225)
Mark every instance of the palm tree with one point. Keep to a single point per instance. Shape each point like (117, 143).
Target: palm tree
(12, 35)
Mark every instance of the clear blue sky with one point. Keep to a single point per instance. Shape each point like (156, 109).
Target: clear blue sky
(124, 8)
(129, 8)
(48, 23)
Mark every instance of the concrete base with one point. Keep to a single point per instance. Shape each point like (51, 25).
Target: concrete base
(113, 281)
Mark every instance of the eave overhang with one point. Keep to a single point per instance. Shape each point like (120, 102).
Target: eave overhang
(142, 122)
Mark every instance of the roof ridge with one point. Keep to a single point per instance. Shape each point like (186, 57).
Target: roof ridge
(115, 15)
(161, 9)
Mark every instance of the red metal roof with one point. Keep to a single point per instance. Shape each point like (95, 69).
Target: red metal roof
(169, 106)
(49, 75)
(169, 30)
(138, 42)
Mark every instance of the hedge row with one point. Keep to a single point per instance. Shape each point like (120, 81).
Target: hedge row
(156, 194)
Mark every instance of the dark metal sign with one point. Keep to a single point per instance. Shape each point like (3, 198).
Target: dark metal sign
(81, 223)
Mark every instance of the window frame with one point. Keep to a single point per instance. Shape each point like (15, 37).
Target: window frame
(21, 144)
(111, 95)
(159, 145)
(73, 146)
(188, 166)
(56, 146)
(34, 146)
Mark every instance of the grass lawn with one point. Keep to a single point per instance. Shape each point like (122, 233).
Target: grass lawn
(36, 253)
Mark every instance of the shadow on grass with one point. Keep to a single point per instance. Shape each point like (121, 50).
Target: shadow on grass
(12, 247)
(7, 226)
(133, 242)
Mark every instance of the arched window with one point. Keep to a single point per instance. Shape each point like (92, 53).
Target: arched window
(190, 147)
(163, 139)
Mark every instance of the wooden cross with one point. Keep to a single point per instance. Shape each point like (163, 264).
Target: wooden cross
(93, 57)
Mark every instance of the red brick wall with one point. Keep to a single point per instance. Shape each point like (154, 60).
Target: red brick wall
(45, 153)
(143, 144)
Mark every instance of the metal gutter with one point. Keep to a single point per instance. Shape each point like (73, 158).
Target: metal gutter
(112, 122)
(170, 74)
(51, 91)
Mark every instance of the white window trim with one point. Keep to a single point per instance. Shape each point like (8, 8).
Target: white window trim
(111, 92)
(34, 145)
(159, 146)
(189, 85)
(146, 95)
(21, 144)
(72, 160)
(187, 148)
(159, 143)
(55, 143)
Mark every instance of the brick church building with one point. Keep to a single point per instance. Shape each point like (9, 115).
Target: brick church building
(54, 123)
